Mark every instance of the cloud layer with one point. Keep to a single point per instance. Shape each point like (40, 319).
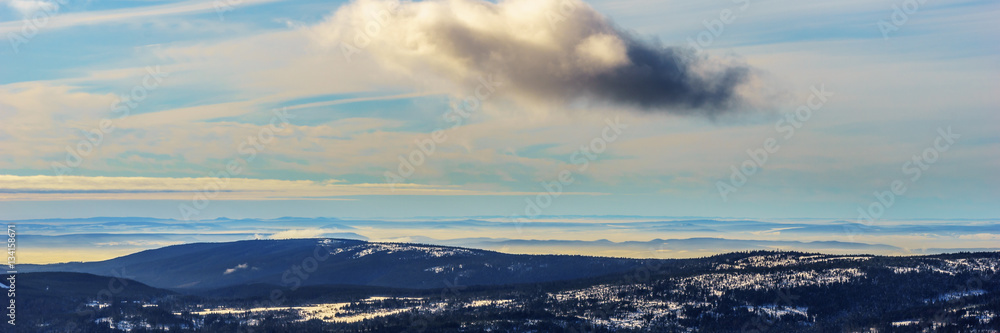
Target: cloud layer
(547, 51)
(18, 188)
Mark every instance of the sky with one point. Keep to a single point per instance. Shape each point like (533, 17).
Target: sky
(193, 110)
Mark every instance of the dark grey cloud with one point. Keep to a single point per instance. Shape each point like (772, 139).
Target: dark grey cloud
(546, 51)
(666, 79)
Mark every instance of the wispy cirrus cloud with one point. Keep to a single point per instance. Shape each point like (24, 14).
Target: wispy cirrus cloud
(355, 118)
(69, 20)
(20, 188)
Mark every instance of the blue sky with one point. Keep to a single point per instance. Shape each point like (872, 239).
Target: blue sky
(215, 72)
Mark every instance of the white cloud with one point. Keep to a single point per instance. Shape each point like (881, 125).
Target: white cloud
(543, 51)
(27, 8)
(600, 52)
(116, 15)
(302, 233)
(148, 243)
(234, 269)
(980, 237)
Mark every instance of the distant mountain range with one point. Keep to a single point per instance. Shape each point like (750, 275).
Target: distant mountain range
(338, 262)
(626, 236)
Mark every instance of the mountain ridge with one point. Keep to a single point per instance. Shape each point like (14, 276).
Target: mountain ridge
(339, 261)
